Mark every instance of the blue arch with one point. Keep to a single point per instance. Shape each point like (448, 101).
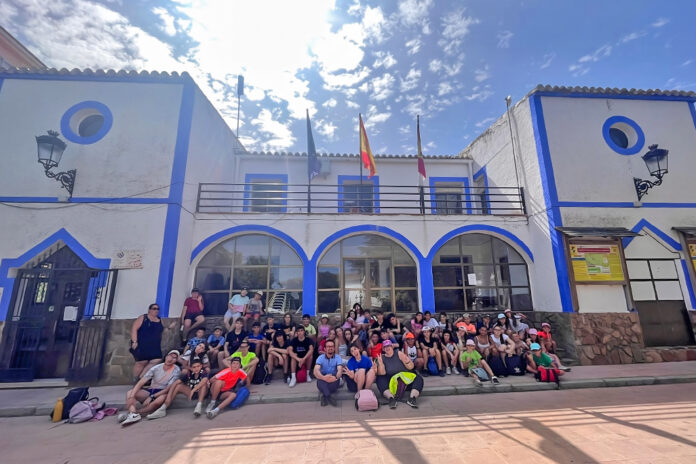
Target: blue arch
(645, 224)
(478, 228)
(62, 235)
(101, 108)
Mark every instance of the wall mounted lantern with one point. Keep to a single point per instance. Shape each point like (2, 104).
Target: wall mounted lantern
(656, 161)
(50, 150)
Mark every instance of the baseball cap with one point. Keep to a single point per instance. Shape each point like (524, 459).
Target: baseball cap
(408, 335)
(236, 358)
(387, 343)
(507, 310)
(245, 288)
(518, 316)
(218, 327)
(195, 290)
(545, 324)
(426, 328)
(501, 316)
(535, 346)
(259, 292)
(324, 316)
(470, 342)
(533, 331)
(176, 352)
(466, 316)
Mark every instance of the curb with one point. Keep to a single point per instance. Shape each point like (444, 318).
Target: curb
(451, 390)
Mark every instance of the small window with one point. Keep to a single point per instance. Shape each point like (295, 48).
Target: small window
(265, 194)
(90, 125)
(623, 135)
(358, 197)
(619, 137)
(448, 198)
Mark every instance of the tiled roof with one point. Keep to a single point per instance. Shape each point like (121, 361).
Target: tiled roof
(347, 155)
(108, 73)
(611, 91)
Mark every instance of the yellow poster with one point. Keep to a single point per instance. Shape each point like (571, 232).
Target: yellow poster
(692, 252)
(597, 263)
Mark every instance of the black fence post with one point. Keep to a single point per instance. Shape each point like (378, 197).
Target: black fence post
(421, 193)
(524, 204)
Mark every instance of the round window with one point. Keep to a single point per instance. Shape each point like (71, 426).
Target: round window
(86, 122)
(623, 135)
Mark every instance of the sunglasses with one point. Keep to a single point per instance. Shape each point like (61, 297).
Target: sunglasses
(155, 309)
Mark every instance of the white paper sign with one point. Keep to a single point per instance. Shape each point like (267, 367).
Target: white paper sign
(127, 259)
(472, 279)
(70, 313)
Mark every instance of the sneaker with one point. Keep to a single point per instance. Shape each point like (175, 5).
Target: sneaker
(449, 371)
(332, 401)
(455, 371)
(292, 383)
(392, 403)
(340, 382)
(495, 380)
(132, 418)
(210, 407)
(477, 382)
(309, 378)
(158, 414)
(425, 373)
(267, 379)
(465, 373)
(413, 402)
(198, 410)
(212, 414)
(287, 379)
(442, 373)
(564, 368)
(121, 417)
(322, 400)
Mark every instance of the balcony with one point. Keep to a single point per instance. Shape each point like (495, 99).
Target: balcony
(358, 198)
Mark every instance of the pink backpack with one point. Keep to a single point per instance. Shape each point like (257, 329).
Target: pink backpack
(366, 401)
(84, 410)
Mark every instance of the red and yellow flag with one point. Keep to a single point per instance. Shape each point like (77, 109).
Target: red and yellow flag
(365, 153)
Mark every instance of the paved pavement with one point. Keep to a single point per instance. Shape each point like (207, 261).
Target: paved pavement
(27, 402)
(629, 425)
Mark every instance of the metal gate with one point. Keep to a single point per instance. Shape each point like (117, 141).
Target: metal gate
(57, 323)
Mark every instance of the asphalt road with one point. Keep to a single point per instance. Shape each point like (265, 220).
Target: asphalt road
(649, 424)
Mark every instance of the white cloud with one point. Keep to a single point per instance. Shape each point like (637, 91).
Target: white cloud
(455, 25)
(582, 66)
(278, 135)
(435, 65)
(504, 39)
(384, 59)
(327, 129)
(484, 122)
(413, 46)
(660, 22)
(411, 80)
(416, 104)
(355, 8)
(404, 130)
(687, 62)
(352, 104)
(375, 24)
(482, 74)
(414, 12)
(338, 81)
(632, 36)
(374, 117)
(479, 93)
(330, 103)
(444, 88)
(548, 58)
(383, 86)
(167, 20)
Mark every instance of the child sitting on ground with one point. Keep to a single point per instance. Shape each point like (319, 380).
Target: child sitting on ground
(198, 338)
(193, 384)
(472, 363)
(215, 343)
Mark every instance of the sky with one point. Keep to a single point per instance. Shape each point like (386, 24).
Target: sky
(451, 62)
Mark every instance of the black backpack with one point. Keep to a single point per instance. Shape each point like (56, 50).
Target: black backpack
(515, 365)
(259, 373)
(73, 397)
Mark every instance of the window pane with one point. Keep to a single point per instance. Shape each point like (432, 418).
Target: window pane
(252, 249)
(668, 290)
(643, 291)
(663, 269)
(484, 277)
(449, 199)
(357, 198)
(367, 246)
(213, 279)
(478, 246)
(354, 273)
(449, 300)
(504, 253)
(327, 277)
(482, 299)
(405, 277)
(449, 253)
(283, 302)
(215, 303)
(333, 256)
(380, 299)
(350, 297)
(517, 299)
(638, 269)
(447, 276)
(380, 273)
(328, 302)
(266, 197)
(253, 278)
(286, 277)
(283, 255)
(515, 275)
(401, 257)
(221, 255)
(406, 301)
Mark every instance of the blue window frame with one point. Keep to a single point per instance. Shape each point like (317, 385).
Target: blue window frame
(265, 193)
(449, 195)
(357, 197)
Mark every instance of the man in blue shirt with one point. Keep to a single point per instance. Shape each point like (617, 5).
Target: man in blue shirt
(327, 371)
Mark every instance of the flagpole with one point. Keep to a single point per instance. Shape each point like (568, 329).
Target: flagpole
(421, 192)
(309, 174)
(360, 147)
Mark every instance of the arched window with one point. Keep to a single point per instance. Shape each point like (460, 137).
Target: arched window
(255, 261)
(478, 272)
(368, 269)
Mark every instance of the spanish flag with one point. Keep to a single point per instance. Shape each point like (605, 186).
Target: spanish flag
(365, 153)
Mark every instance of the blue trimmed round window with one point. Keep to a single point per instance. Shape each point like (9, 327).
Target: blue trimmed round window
(86, 122)
(623, 135)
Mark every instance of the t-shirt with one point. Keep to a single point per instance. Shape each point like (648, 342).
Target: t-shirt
(238, 302)
(432, 343)
(214, 341)
(258, 336)
(364, 363)
(161, 379)
(324, 330)
(301, 347)
(432, 323)
(375, 351)
(194, 341)
(191, 380)
(543, 360)
(329, 366)
(309, 329)
(250, 356)
(520, 328)
(361, 320)
(187, 357)
(230, 378)
(192, 307)
(255, 306)
(470, 328)
(376, 325)
(269, 329)
(497, 341)
(235, 340)
(278, 345)
(288, 328)
(470, 359)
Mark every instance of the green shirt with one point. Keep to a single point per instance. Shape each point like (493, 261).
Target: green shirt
(544, 360)
(470, 359)
(245, 359)
(310, 330)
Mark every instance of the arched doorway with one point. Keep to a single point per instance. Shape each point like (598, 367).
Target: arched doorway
(480, 272)
(256, 261)
(369, 269)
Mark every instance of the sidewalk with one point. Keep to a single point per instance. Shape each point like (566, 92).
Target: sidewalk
(39, 402)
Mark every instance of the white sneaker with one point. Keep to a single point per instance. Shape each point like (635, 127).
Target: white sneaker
(132, 418)
(198, 409)
(158, 414)
(293, 382)
(455, 371)
(123, 416)
(309, 379)
(210, 407)
(449, 371)
(211, 414)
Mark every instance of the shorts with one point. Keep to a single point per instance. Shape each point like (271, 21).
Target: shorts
(254, 315)
(231, 387)
(145, 355)
(192, 317)
(234, 316)
(153, 391)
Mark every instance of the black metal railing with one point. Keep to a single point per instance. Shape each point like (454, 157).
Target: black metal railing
(358, 198)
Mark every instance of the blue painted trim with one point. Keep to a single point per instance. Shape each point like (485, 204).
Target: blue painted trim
(67, 131)
(638, 146)
(692, 110)
(29, 200)
(9, 263)
(101, 77)
(375, 190)
(479, 228)
(250, 177)
(553, 213)
(1, 82)
(622, 204)
(689, 285)
(126, 200)
(484, 173)
(645, 224)
(611, 96)
(433, 191)
(176, 193)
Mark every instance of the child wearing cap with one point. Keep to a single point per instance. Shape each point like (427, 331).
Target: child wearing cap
(225, 385)
(324, 327)
(254, 310)
(412, 351)
(537, 358)
(472, 363)
(193, 384)
(547, 339)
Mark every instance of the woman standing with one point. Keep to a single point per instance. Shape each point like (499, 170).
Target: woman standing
(146, 340)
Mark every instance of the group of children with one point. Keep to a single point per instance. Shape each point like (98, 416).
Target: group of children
(221, 362)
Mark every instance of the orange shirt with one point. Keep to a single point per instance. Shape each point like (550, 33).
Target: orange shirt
(471, 328)
(230, 378)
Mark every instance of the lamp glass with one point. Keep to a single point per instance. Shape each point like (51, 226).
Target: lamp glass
(50, 150)
(656, 161)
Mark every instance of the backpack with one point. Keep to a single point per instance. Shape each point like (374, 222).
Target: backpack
(498, 366)
(63, 406)
(366, 401)
(481, 373)
(259, 373)
(240, 399)
(432, 366)
(515, 365)
(83, 411)
(301, 375)
(547, 375)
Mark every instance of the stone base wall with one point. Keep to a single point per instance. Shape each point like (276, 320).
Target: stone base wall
(608, 338)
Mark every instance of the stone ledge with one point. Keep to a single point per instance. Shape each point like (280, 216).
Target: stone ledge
(537, 386)
(629, 381)
(583, 383)
(666, 379)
